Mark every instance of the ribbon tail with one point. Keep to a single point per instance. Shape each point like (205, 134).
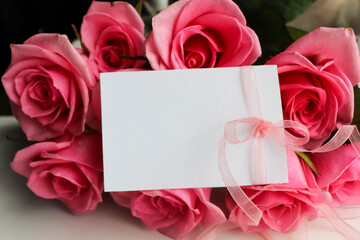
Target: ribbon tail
(340, 137)
(302, 231)
(259, 162)
(242, 200)
(348, 212)
(355, 140)
(338, 223)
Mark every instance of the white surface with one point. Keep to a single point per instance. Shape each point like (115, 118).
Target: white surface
(23, 215)
(161, 129)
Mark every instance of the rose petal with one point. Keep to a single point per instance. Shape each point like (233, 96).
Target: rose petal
(85, 203)
(287, 220)
(222, 7)
(69, 172)
(329, 163)
(336, 43)
(40, 182)
(23, 158)
(188, 196)
(81, 154)
(256, 49)
(61, 45)
(236, 42)
(194, 41)
(122, 12)
(61, 81)
(65, 189)
(183, 226)
(163, 22)
(122, 198)
(33, 108)
(212, 215)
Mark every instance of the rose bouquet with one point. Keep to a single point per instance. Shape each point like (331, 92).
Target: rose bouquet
(54, 93)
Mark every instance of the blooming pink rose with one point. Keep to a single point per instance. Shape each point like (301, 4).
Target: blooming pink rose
(340, 174)
(70, 171)
(47, 83)
(93, 118)
(317, 74)
(283, 205)
(174, 213)
(198, 34)
(110, 30)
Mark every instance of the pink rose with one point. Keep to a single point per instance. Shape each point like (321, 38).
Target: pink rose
(70, 171)
(283, 205)
(317, 74)
(47, 83)
(93, 118)
(110, 30)
(340, 174)
(174, 213)
(195, 34)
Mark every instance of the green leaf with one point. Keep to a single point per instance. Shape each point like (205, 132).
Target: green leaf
(151, 10)
(292, 8)
(356, 119)
(308, 161)
(268, 19)
(139, 6)
(269, 25)
(296, 33)
(289, 9)
(148, 24)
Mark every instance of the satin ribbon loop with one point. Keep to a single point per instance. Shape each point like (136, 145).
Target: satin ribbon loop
(284, 138)
(259, 127)
(253, 213)
(344, 133)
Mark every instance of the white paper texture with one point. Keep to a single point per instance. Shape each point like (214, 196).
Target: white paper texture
(161, 129)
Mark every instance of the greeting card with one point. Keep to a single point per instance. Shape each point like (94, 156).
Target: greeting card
(161, 129)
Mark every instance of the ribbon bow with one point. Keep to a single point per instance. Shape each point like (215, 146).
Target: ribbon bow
(261, 128)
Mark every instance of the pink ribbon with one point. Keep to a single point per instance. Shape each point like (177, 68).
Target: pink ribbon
(347, 212)
(338, 223)
(275, 131)
(261, 128)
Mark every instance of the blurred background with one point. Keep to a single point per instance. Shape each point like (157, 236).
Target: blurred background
(21, 19)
